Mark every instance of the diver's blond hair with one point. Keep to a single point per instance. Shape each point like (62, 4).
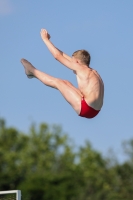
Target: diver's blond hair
(83, 56)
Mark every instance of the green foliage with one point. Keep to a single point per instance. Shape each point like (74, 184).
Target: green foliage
(44, 165)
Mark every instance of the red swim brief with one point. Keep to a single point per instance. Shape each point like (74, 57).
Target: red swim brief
(87, 111)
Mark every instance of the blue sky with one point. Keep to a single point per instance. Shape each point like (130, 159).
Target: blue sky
(105, 29)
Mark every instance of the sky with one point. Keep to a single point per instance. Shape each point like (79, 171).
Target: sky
(105, 29)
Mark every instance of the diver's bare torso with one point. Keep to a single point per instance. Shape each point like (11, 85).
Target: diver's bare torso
(91, 86)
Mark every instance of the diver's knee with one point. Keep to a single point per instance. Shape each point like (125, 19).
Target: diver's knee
(67, 82)
(59, 82)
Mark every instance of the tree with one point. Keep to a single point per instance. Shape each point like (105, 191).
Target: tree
(11, 145)
(44, 165)
(41, 163)
(124, 173)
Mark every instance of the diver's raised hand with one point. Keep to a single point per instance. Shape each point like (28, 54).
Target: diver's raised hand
(44, 34)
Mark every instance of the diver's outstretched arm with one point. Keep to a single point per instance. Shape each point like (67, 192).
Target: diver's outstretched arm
(58, 54)
(45, 36)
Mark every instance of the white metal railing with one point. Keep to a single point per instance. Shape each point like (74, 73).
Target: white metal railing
(17, 192)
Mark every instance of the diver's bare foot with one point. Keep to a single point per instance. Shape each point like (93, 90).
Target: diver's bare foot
(28, 68)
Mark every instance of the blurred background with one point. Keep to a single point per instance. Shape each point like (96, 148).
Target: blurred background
(45, 148)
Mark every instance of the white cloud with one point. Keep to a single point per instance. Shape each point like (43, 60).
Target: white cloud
(5, 7)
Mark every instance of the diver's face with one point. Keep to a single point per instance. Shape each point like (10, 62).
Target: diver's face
(74, 59)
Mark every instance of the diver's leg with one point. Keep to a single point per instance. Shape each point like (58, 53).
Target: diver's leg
(72, 95)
